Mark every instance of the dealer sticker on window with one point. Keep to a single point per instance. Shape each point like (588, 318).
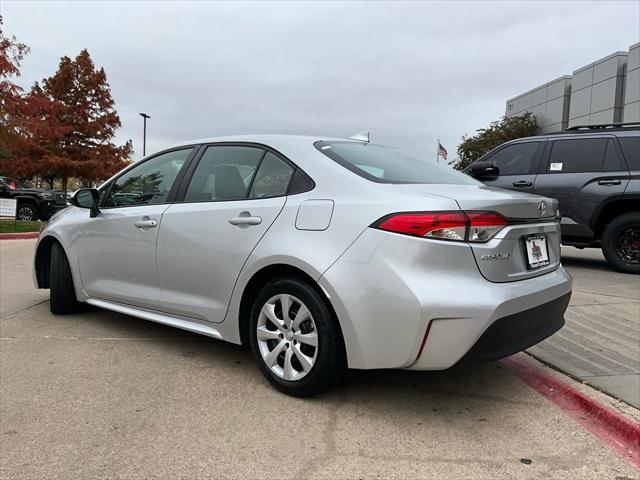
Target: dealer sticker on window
(537, 253)
(555, 167)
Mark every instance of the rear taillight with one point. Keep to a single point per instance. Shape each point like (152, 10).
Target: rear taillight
(484, 225)
(456, 226)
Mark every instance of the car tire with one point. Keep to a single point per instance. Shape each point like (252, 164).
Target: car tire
(285, 354)
(26, 213)
(62, 294)
(621, 243)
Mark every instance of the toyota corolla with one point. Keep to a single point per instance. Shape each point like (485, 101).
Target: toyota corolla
(322, 254)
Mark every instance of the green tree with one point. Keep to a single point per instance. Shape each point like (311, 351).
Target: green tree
(498, 132)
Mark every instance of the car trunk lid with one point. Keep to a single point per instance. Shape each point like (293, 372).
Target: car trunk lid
(505, 257)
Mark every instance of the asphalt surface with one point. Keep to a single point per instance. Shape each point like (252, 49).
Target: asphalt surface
(100, 394)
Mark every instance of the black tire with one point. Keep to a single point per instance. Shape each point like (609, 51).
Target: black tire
(26, 212)
(330, 363)
(62, 294)
(621, 243)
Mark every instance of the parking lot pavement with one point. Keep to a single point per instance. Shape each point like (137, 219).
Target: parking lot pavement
(100, 394)
(600, 343)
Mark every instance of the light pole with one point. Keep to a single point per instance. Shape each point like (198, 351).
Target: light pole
(144, 133)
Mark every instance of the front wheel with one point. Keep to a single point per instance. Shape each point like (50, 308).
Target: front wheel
(62, 294)
(621, 243)
(295, 338)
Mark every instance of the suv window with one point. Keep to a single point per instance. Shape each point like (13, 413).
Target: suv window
(611, 159)
(577, 155)
(515, 159)
(148, 183)
(631, 151)
(224, 173)
(272, 179)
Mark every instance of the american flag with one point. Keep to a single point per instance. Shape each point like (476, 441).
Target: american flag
(442, 152)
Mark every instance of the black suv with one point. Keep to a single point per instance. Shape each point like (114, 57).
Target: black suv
(33, 203)
(593, 171)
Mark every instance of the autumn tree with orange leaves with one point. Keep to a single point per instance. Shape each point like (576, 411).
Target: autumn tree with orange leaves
(64, 126)
(90, 119)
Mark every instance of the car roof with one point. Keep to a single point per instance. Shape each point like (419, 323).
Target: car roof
(266, 139)
(618, 132)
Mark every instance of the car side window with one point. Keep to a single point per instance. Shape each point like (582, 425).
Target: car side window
(148, 183)
(224, 173)
(577, 155)
(631, 151)
(611, 159)
(272, 179)
(515, 159)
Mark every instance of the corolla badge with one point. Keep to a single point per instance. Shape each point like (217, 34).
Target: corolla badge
(495, 256)
(542, 209)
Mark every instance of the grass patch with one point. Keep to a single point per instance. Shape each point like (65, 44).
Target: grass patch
(9, 226)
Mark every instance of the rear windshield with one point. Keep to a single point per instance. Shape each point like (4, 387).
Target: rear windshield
(383, 164)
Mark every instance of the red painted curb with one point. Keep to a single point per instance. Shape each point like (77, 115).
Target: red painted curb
(617, 432)
(19, 236)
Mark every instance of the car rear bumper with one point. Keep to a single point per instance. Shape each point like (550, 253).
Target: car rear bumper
(389, 290)
(516, 332)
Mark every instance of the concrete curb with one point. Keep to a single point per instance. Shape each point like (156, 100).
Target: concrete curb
(19, 236)
(616, 431)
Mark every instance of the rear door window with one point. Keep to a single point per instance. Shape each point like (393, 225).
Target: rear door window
(225, 172)
(631, 151)
(577, 155)
(611, 160)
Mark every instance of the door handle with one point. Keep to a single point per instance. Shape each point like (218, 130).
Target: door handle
(609, 182)
(522, 183)
(146, 224)
(245, 219)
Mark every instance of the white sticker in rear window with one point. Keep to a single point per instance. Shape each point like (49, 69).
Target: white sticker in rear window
(555, 167)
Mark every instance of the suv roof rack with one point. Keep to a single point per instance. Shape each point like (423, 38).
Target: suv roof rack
(608, 127)
(604, 125)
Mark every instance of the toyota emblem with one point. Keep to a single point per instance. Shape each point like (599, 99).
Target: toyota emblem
(542, 209)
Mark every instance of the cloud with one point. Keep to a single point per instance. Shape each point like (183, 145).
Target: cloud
(411, 72)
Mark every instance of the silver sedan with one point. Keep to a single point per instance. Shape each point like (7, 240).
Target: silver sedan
(322, 254)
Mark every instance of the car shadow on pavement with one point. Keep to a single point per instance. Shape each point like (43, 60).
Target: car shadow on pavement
(476, 390)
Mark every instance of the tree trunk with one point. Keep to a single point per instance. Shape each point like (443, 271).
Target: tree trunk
(65, 180)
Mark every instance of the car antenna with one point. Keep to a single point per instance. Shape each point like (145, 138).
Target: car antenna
(362, 136)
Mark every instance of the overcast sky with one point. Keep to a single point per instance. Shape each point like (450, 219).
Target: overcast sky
(409, 72)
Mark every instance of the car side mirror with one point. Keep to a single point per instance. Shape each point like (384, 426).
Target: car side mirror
(87, 198)
(482, 170)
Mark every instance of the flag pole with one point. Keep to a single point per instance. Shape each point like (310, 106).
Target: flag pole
(438, 152)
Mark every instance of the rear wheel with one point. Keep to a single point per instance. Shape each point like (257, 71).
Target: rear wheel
(621, 243)
(295, 339)
(26, 212)
(62, 292)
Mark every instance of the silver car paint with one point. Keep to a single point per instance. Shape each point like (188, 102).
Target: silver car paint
(384, 287)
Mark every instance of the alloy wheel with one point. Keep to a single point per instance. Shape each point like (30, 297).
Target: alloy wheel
(287, 337)
(25, 214)
(628, 244)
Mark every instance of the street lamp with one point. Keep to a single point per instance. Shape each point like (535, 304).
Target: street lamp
(144, 133)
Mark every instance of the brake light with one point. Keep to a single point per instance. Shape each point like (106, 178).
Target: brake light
(456, 226)
(484, 225)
